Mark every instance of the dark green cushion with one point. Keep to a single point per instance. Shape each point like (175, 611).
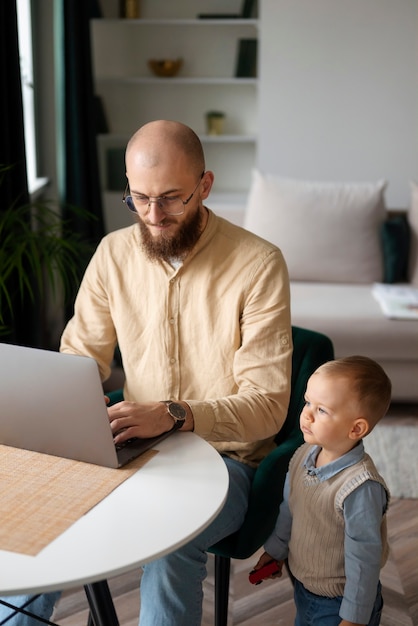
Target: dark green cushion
(115, 396)
(395, 243)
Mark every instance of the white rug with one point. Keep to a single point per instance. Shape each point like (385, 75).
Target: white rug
(394, 450)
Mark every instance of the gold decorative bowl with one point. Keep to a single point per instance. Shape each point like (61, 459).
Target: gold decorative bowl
(165, 67)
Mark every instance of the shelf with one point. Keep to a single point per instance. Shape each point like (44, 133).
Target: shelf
(117, 139)
(179, 22)
(181, 80)
(236, 198)
(227, 138)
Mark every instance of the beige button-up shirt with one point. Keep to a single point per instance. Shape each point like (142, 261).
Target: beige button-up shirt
(214, 332)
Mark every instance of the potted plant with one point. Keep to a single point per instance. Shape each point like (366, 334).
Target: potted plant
(38, 254)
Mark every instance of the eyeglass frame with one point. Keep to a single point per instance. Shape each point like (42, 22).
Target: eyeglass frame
(127, 199)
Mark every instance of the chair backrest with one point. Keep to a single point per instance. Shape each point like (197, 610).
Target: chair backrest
(310, 350)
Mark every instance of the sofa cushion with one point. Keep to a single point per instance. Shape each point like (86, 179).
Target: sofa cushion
(328, 232)
(395, 243)
(353, 319)
(413, 224)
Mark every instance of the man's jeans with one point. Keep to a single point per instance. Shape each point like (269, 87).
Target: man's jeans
(42, 605)
(171, 587)
(313, 610)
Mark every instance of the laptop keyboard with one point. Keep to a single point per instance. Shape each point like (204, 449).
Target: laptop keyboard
(123, 444)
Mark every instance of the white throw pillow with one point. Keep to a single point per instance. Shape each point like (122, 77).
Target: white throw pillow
(413, 246)
(328, 232)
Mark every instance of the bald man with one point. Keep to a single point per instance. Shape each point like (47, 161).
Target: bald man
(199, 309)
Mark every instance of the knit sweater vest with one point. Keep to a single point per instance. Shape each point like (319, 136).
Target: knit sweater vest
(316, 547)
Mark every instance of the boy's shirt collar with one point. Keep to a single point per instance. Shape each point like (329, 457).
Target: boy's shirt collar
(328, 471)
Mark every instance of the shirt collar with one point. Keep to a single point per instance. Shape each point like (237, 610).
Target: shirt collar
(328, 471)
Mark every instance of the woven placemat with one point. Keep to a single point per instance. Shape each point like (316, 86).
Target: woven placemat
(42, 495)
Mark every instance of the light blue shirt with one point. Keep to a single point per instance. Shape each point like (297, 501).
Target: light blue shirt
(363, 511)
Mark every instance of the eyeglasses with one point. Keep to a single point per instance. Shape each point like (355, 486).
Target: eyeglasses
(170, 205)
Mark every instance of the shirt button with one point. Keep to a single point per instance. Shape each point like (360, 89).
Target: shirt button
(171, 320)
(172, 360)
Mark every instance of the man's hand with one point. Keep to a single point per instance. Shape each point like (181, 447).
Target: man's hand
(142, 419)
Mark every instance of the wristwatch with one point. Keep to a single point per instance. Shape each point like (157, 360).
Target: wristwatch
(177, 412)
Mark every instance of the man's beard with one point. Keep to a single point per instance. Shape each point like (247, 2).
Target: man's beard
(167, 248)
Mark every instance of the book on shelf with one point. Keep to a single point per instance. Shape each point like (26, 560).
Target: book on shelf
(249, 8)
(115, 169)
(247, 58)
(398, 301)
(248, 11)
(102, 126)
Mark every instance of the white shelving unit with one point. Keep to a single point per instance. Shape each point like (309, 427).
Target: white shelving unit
(132, 95)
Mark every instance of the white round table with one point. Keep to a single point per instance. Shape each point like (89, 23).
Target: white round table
(167, 502)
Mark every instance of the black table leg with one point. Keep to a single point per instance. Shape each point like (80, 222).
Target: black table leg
(102, 609)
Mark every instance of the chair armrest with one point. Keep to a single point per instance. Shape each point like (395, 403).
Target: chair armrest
(114, 396)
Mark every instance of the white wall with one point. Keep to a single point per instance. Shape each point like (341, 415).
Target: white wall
(339, 91)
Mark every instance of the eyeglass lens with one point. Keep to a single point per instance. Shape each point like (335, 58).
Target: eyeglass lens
(168, 205)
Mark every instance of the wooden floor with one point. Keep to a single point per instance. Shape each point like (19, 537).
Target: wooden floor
(271, 603)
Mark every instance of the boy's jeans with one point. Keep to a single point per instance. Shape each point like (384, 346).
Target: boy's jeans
(171, 587)
(313, 610)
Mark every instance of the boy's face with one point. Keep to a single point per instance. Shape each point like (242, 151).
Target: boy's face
(330, 412)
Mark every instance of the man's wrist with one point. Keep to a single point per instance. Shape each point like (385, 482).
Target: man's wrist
(176, 412)
(189, 423)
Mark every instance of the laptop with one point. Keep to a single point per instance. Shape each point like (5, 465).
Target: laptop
(54, 403)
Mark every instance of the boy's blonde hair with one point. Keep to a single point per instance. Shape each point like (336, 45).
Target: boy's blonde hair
(370, 383)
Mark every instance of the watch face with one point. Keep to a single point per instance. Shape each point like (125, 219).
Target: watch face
(177, 411)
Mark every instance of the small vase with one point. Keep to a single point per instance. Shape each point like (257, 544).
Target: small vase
(215, 123)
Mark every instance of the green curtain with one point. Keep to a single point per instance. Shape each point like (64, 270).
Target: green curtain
(76, 146)
(77, 151)
(24, 324)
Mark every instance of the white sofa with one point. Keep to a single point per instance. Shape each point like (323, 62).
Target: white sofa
(338, 240)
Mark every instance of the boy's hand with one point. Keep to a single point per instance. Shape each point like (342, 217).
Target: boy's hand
(263, 560)
(266, 567)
